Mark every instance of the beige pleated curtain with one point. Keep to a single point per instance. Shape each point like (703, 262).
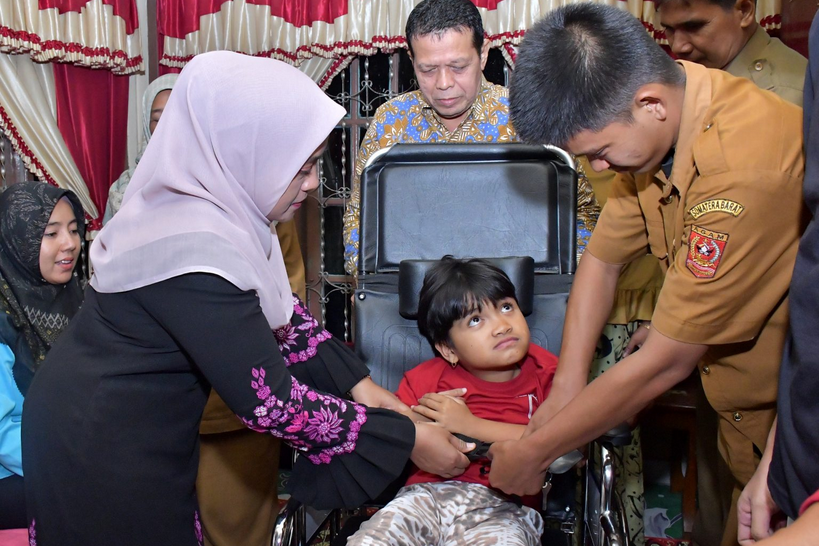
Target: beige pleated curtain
(29, 120)
(369, 26)
(93, 37)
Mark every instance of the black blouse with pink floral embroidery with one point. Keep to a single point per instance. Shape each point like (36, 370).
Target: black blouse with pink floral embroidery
(308, 420)
(321, 425)
(111, 423)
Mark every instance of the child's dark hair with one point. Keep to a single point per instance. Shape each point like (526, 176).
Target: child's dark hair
(454, 288)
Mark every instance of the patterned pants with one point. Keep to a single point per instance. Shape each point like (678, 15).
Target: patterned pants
(450, 513)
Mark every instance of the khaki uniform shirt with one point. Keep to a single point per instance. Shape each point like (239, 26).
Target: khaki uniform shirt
(640, 281)
(771, 65)
(725, 227)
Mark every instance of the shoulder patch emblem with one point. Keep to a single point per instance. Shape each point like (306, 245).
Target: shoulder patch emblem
(716, 205)
(705, 250)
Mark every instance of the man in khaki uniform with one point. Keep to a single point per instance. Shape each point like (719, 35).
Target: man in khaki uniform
(719, 209)
(725, 34)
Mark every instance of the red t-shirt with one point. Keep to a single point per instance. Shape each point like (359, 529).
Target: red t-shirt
(512, 401)
(810, 500)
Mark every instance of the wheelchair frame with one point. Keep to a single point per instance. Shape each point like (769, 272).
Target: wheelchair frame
(603, 523)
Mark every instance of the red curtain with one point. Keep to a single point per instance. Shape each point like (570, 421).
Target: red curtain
(92, 114)
(796, 20)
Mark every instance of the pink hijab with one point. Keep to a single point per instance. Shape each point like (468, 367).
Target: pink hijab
(235, 132)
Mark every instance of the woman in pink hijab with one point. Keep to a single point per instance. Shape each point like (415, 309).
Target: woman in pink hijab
(189, 291)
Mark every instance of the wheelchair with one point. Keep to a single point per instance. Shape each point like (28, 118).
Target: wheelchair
(514, 204)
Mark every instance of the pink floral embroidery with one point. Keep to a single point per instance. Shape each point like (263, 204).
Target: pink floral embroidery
(197, 528)
(286, 336)
(290, 338)
(324, 426)
(304, 427)
(32, 534)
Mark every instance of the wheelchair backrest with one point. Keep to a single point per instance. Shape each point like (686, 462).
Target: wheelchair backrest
(422, 201)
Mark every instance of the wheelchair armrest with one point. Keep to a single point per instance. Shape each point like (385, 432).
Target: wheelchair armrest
(563, 464)
(618, 436)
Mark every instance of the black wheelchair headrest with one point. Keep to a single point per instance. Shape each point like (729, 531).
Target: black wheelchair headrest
(519, 269)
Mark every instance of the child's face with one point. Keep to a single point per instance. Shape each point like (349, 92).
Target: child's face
(489, 341)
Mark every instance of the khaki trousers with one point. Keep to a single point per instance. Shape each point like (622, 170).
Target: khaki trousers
(237, 487)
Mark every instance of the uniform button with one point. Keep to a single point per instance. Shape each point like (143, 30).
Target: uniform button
(759, 65)
(667, 200)
(706, 370)
(737, 416)
(708, 126)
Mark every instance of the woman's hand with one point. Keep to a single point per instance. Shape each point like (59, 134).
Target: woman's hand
(439, 452)
(447, 409)
(637, 338)
(368, 393)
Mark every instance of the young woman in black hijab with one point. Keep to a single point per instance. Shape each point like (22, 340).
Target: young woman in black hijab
(40, 290)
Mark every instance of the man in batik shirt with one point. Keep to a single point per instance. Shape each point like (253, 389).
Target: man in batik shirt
(454, 103)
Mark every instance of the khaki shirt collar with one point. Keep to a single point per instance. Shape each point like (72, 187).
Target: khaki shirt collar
(477, 112)
(693, 122)
(749, 54)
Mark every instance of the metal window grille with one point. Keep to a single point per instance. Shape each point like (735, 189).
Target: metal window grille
(12, 168)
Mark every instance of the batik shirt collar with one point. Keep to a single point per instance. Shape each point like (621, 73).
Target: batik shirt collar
(477, 112)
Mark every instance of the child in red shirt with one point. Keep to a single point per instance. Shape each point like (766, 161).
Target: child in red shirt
(486, 383)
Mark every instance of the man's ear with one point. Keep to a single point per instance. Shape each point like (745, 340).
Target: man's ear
(447, 352)
(484, 53)
(653, 98)
(747, 12)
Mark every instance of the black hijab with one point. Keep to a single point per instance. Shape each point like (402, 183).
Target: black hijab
(39, 309)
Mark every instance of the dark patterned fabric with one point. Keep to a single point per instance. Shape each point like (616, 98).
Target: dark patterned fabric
(39, 309)
(628, 460)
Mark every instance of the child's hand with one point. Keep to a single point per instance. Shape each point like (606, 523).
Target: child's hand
(447, 409)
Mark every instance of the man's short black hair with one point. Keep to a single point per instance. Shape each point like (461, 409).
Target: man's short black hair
(438, 16)
(727, 5)
(579, 69)
(454, 288)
